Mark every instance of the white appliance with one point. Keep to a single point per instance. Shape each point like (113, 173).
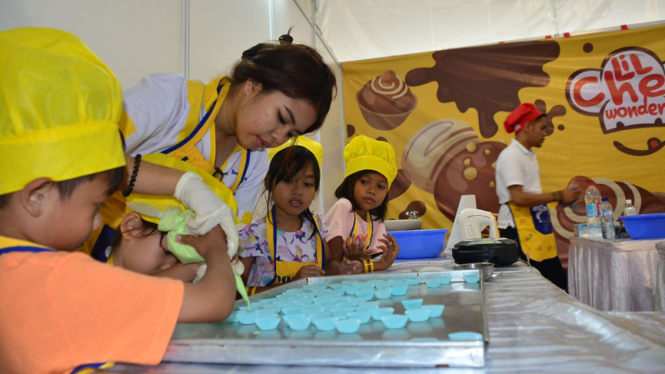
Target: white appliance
(466, 201)
(473, 221)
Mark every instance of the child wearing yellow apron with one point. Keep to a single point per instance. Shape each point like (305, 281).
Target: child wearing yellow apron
(356, 220)
(274, 92)
(62, 157)
(524, 215)
(289, 243)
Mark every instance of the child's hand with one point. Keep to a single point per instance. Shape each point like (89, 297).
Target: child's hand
(347, 267)
(355, 251)
(309, 271)
(212, 244)
(390, 251)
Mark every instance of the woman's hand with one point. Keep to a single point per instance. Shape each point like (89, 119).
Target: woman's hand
(309, 271)
(209, 208)
(390, 251)
(353, 251)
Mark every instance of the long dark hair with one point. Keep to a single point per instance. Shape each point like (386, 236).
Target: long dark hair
(296, 70)
(345, 190)
(286, 164)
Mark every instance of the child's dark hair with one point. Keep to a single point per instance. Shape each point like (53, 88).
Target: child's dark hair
(345, 190)
(67, 187)
(147, 229)
(296, 70)
(285, 165)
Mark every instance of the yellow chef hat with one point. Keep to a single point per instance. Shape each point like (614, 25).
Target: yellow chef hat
(364, 153)
(301, 141)
(59, 109)
(152, 207)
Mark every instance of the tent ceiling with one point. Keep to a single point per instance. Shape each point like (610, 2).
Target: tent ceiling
(366, 29)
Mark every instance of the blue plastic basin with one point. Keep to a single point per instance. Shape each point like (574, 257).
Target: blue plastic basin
(641, 226)
(420, 243)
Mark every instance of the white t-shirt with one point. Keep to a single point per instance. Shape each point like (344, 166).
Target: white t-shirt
(516, 166)
(158, 107)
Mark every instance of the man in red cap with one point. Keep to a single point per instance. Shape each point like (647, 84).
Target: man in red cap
(524, 215)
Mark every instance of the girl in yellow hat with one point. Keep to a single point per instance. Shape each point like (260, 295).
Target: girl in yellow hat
(276, 91)
(289, 243)
(356, 220)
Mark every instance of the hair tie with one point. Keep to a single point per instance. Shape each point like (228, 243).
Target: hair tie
(286, 39)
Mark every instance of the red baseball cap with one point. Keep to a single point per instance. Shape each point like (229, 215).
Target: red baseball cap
(518, 119)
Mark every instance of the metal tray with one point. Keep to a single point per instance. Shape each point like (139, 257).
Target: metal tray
(422, 344)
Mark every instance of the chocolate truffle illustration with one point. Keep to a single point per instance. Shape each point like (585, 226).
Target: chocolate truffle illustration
(432, 147)
(470, 172)
(386, 101)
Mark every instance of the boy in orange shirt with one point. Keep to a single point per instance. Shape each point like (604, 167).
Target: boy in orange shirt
(61, 158)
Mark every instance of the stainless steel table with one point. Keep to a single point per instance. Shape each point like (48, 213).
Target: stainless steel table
(534, 327)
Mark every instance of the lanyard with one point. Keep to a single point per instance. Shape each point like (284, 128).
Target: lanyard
(370, 229)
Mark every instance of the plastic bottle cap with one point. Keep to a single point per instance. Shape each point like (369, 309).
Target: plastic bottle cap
(606, 199)
(629, 201)
(592, 184)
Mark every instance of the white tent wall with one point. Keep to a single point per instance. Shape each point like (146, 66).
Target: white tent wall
(200, 39)
(367, 29)
(133, 38)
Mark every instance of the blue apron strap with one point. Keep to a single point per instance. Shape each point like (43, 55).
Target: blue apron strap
(104, 240)
(25, 249)
(274, 240)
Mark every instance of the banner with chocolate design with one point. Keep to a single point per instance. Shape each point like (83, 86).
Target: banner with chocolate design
(603, 94)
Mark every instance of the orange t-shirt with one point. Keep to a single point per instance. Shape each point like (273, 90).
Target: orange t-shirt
(60, 310)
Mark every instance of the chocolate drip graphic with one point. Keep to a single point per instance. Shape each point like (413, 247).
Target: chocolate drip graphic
(487, 78)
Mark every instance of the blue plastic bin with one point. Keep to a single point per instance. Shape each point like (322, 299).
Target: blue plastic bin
(642, 226)
(420, 243)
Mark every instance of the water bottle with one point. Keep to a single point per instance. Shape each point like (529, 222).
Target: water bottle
(607, 219)
(592, 201)
(629, 209)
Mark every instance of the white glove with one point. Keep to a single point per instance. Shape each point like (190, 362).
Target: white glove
(209, 208)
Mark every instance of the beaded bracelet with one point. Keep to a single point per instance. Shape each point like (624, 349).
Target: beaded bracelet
(132, 180)
(369, 266)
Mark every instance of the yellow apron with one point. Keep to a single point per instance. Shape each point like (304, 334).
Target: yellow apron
(370, 229)
(286, 270)
(534, 230)
(113, 209)
(7, 247)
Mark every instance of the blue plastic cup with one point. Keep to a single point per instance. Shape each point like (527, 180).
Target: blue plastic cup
(418, 315)
(399, 290)
(348, 326)
(378, 313)
(298, 324)
(412, 304)
(267, 323)
(437, 309)
(325, 323)
(394, 321)
(362, 315)
(471, 278)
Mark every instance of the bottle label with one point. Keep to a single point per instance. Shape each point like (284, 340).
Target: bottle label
(592, 210)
